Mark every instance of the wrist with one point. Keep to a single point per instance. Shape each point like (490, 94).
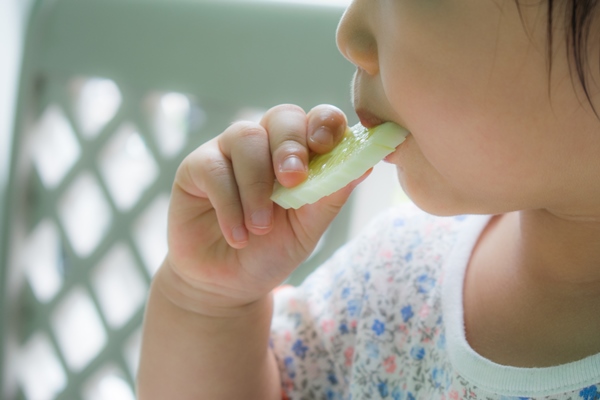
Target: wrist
(191, 298)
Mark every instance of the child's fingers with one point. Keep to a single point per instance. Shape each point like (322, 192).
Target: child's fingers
(287, 125)
(208, 173)
(326, 127)
(247, 146)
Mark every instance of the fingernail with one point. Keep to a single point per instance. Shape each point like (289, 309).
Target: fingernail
(239, 234)
(322, 136)
(261, 218)
(292, 164)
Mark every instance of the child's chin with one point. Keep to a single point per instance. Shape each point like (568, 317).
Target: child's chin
(442, 207)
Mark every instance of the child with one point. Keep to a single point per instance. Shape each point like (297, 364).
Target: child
(499, 98)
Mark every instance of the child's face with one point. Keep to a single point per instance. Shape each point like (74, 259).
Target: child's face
(491, 131)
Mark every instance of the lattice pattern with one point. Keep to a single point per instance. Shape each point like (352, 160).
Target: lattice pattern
(95, 165)
(94, 212)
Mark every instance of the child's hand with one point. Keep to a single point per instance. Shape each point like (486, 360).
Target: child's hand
(229, 244)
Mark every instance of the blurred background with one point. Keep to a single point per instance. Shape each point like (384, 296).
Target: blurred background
(99, 102)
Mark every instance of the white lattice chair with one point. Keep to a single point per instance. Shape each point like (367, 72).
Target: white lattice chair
(113, 94)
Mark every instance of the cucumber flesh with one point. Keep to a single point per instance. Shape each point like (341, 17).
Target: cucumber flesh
(359, 150)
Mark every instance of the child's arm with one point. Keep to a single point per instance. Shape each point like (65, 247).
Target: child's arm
(208, 317)
(187, 355)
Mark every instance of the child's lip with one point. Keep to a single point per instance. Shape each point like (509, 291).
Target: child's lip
(368, 119)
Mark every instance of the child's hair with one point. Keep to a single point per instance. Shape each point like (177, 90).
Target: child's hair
(578, 16)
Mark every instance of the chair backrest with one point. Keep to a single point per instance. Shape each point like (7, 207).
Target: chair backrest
(113, 94)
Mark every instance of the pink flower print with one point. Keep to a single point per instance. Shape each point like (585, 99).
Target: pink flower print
(424, 312)
(386, 253)
(349, 355)
(453, 395)
(389, 364)
(327, 325)
(293, 304)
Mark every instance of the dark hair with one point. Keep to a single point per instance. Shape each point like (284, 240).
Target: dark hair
(578, 16)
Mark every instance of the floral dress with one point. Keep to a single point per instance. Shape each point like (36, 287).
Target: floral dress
(383, 319)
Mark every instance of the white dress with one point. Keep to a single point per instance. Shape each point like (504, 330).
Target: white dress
(383, 319)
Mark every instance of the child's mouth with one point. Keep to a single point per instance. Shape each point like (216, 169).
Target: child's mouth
(392, 158)
(368, 119)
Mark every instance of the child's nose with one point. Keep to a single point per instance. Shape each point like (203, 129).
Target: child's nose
(355, 39)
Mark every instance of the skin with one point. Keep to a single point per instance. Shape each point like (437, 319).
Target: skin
(507, 139)
(492, 133)
(209, 310)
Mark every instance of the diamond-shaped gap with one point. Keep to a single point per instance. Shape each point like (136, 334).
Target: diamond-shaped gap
(78, 329)
(172, 116)
(150, 233)
(84, 213)
(127, 166)
(131, 351)
(55, 146)
(39, 372)
(97, 100)
(42, 258)
(107, 384)
(119, 286)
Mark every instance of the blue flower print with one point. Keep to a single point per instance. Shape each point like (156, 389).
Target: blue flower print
(383, 389)
(372, 349)
(514, 398)
(290, 367)
(425, 283)
(408, 256)
(300, 349)
(440, 377)
(460, 217)
(398, 222)
(441, 344)
(410, 397)
(332, 378)
(330, 394)
(378, 327)
(590, 393)
(354, 307)
(397, 394)
(417, 352)
(407, 313)
(345, 292)
(344, 328)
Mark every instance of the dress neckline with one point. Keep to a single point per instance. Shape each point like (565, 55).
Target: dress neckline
(484, 373)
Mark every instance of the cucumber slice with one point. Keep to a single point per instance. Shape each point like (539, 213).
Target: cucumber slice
(359, 150)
